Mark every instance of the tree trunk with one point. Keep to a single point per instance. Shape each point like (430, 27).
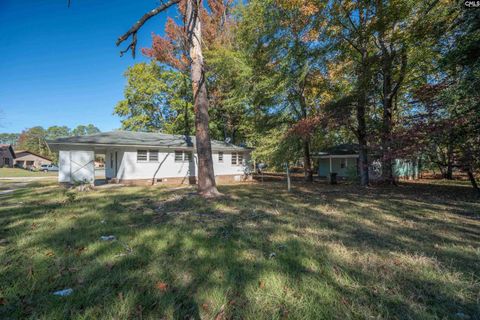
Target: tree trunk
(206, 176)
(471, 176)
(361, 121)
(449, 173)
(387, 166)
(307, 162)
(186, 123)
(387, 161)
(363, 163)
(289, 187)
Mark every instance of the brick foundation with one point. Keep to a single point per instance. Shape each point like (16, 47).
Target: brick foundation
(224, 179)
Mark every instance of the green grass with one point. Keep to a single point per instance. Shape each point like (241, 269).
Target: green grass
(320, 252)
(17, 172)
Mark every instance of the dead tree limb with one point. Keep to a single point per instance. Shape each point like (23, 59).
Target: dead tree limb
(134, 29)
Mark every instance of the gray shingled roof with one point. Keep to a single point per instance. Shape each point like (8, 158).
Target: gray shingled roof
(341, 149)
(128, 138)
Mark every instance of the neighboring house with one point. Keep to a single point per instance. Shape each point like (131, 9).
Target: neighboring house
(29, 160)
(145, 158)
(7, 155)
(343, 160)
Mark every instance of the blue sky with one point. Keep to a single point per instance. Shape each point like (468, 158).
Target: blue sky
(60, 65)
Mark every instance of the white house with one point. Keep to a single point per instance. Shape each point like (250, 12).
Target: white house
(145, 158)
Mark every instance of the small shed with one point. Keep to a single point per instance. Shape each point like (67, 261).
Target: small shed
(341, 159)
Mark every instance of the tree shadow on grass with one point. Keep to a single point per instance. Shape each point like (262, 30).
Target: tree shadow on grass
(179, 256)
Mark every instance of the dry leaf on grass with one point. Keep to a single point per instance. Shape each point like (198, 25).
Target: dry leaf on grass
(162, 286)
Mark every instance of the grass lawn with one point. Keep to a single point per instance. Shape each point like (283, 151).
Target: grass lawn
(17, 172)
(323, 252)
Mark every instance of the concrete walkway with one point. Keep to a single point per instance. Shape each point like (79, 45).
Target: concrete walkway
(23, 179)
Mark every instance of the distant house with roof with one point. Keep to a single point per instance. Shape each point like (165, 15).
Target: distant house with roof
(29, 160)
(145, 158)
(343, 160)
(7, 155)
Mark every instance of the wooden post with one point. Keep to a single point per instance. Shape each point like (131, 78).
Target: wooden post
(330, 164)
(288, 177)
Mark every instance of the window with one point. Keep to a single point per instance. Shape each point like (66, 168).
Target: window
(187, 156)
(342, 164)
(220, 157)
(178, 156)
(237, 158)
(6, 161)
(142, 155)
(153, 155)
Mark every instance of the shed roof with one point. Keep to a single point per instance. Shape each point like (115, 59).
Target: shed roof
(150, 139)
(339, 150)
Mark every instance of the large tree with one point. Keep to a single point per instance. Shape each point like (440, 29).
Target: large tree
(283, 37)
(156, 99)
(191, 54)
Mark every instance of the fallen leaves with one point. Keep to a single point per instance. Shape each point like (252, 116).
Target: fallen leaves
(162, 286)
(79, 250)
(205, 307)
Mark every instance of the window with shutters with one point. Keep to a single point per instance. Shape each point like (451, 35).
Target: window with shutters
(220, 157)
(142, 155)
(153, 155)
(187, 156)
(234, 158)
(240, 159)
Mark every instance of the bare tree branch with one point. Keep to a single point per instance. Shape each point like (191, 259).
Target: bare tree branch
(134, 29)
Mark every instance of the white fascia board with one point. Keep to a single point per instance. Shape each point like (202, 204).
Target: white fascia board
(103, 145)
